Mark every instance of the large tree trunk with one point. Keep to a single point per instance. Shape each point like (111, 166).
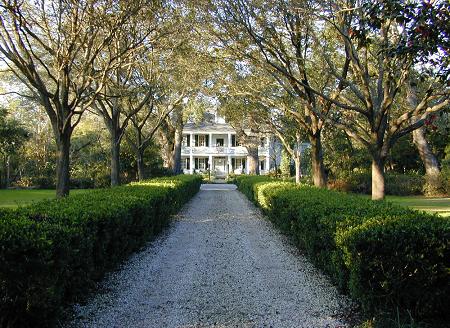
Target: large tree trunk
(433, 182)
(253, 159)
(167, 138)
(298, 172)
(115, 132)
(63, 165)
(177, 150)
(140, 164)
(285, 165)
(115, 161)
(318, 169)
(429, 160)
(378, 183)
(168, 155)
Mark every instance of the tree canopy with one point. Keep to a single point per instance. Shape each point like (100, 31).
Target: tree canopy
(110, 84)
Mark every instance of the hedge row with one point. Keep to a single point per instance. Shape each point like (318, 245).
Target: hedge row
(54, 251)
(385, 256)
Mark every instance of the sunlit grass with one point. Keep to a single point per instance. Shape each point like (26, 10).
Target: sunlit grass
(15, 198)
(440, 205)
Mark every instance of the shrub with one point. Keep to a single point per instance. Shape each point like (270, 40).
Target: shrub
(396, 184)
(435, 185)
(385, 256)
(53, 251)
(82, 183)
(404, 184)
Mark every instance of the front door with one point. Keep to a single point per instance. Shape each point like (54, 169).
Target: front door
(220, 166)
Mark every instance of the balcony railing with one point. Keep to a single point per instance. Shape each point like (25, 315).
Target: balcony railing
(219, 150)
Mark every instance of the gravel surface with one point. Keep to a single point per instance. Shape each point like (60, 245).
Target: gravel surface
(220, 264)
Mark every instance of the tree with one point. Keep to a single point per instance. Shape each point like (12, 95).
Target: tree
(252, 94)
(379, 67)
(277, 38)
(57, 49)
(285, 165)
(181, 90)
(242, 116)
(12, 137)
(126, 90)
(429, 160)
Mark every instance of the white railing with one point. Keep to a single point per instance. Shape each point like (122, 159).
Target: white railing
(220, 150)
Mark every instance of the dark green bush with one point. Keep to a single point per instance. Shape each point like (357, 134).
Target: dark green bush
(404, 184)
(53, 251)
(396, 184)
(383, 255)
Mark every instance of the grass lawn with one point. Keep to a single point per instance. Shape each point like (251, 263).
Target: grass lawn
(440, 205)
(14, 198)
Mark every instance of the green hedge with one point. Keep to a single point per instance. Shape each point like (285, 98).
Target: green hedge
(54, 251)
(383, 255)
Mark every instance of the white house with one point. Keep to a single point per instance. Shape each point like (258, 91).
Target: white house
(213, 145)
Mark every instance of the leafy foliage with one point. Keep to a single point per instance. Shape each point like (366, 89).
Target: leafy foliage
(396, 184)
(53, 251)
(426, 30)
(383, 255)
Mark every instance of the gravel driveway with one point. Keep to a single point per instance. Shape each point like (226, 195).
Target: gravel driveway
(220, 264)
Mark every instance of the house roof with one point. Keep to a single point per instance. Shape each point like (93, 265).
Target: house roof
(206, 127)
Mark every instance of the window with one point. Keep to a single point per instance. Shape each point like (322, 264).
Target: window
(201, 163)
(239, 163)
(201, 140)
(186, 164)
(219, 142)
(186, 140)
(234, 141)
(261, 165)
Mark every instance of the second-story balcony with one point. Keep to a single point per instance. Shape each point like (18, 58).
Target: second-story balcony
(220, 150)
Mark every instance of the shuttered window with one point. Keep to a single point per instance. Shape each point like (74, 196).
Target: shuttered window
(201, 163)
(186, 164)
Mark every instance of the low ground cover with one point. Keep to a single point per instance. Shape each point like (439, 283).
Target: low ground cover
(12, 198)
(384, 255)
(53, 251)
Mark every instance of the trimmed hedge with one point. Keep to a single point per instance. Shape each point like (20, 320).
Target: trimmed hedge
(54, 251)
(385, 256)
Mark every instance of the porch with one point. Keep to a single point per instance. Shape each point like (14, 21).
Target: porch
(221, 166)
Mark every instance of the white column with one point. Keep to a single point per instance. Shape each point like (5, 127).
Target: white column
(229, 140)
(267, 162)
(230, 169)
(191, 163)
(246, 165)
(210, 160)
(210, 140)
(192, 140)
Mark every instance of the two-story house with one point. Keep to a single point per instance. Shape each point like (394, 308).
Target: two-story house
(213, 145)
